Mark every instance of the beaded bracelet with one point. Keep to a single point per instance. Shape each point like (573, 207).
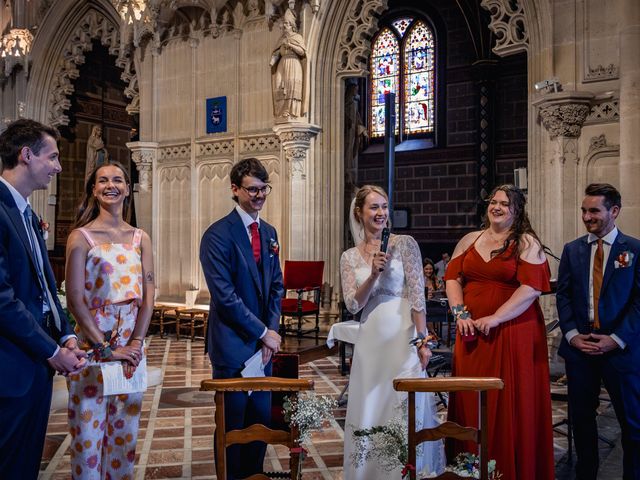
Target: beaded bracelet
(101, 351)
(460, 312)
(422, 340)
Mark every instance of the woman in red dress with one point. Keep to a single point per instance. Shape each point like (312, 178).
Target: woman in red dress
(493, 283)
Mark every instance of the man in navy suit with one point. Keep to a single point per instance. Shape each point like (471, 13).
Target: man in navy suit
(35, 337)
(598, 302)
(239, 256)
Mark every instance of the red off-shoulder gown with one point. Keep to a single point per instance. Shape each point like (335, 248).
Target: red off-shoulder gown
(520, 432)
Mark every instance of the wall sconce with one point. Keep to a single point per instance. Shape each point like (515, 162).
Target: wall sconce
(548, 85)
(15, 47)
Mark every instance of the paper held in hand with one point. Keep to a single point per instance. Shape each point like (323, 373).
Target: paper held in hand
(115, 383)
(253, 367)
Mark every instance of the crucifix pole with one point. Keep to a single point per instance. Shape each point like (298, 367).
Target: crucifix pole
(390, 146)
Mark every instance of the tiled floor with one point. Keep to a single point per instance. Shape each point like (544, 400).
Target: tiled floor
(176, 436)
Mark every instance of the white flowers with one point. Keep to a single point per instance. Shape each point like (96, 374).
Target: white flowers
(308, 412)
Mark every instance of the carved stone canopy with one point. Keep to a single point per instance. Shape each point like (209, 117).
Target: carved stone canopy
(563, 113)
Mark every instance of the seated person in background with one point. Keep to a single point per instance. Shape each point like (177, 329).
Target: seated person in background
(432, 283)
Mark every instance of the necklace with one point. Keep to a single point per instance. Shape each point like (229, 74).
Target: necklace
(370, 249)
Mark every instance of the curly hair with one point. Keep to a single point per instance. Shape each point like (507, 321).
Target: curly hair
(521, 224)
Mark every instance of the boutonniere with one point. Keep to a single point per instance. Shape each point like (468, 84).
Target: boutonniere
(44, 228)
(623, 260)
(274, 248)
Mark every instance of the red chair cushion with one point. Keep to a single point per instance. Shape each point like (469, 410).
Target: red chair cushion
(289, 306)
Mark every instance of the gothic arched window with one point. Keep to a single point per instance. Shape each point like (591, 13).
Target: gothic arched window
(403, 62)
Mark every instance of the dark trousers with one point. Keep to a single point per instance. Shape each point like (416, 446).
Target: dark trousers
(584, 379)
(23, 427)
(241, 411)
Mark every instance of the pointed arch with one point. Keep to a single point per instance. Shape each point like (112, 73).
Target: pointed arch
(65, 36)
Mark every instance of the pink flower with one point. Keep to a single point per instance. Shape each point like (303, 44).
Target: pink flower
(90, 391)
(106, 267)
(92, 461)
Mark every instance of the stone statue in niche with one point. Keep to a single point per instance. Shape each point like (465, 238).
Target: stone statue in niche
(96, 152)
(355, 132)
(288, 71)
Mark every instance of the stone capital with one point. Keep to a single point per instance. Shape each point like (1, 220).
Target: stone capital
(295, 138)
(143, 155)
(563, 113)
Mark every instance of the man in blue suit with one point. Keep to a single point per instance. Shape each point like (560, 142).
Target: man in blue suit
(598, 302)
(35, 337)
(239, 256)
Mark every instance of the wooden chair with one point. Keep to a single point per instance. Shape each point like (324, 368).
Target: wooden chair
(196, 318)
(302, 277)
(255, 432)
(161, 317)
(449, 429)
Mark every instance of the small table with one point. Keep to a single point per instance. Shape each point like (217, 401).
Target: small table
(344, 332)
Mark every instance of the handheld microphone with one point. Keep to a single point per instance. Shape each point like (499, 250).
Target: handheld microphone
(384, 243)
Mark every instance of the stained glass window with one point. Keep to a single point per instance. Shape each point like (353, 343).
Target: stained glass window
(403, 61)
(419, 79)
(401, 25)
(385, 73)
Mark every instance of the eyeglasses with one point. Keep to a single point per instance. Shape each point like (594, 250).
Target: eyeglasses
(253, 191)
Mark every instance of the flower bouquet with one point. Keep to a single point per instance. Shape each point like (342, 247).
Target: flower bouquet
(307, 411)
(468, 465)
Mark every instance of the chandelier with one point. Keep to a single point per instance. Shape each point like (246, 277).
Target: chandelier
(15, 47)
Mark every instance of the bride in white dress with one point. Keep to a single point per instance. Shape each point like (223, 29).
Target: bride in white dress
(389, 289)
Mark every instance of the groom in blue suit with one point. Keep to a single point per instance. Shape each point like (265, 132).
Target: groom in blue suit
(239, 256)
(598, 301)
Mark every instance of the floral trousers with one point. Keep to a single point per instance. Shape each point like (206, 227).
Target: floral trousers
(104, 429)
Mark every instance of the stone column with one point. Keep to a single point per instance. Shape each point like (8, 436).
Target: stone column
(143, 155)
(562, 115)
(629, 219)
(295, 141)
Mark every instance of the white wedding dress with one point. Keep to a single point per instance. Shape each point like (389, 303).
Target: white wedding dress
(382, 353)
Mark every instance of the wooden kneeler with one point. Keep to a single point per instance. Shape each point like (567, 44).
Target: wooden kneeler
(255, 432)
(449, 429)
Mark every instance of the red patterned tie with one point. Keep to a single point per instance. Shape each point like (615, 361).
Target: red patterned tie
(255, 241)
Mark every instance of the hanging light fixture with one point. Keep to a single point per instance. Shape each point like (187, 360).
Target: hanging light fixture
(15, 48)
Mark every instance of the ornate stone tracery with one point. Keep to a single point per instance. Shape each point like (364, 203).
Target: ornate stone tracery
(143, 155)
(358, 28)
(93, 26)
(509, 24)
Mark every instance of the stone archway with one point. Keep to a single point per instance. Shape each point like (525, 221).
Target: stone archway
(66, 34)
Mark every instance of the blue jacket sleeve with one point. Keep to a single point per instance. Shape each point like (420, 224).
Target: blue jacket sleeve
(564, 293)
(276, 292)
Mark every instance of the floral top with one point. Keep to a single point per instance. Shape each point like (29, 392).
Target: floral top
(403, 276)
(113, 272)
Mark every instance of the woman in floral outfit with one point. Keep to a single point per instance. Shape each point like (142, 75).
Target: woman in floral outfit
(110, 291)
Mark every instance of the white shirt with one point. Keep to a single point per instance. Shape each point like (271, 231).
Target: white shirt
(22, 203)
(607, 242)
(248, 220)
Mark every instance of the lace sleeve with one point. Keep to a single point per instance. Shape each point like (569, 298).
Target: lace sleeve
(349, 286)
(414, 278)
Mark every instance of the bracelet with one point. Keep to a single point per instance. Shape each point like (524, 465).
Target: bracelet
(460, 312)
(141, 340)
(422, 340)
(101, 351)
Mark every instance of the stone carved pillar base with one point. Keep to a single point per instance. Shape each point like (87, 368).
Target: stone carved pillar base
(297, 234)
(562, 114)
(143, 155)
